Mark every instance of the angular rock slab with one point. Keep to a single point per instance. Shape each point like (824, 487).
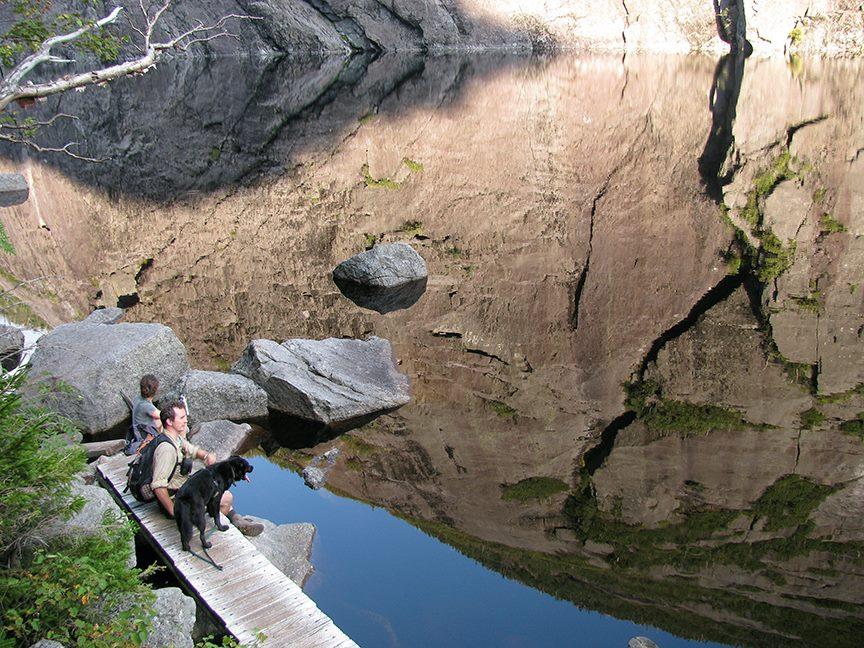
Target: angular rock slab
(287, 546)
(212, 395)
(389, 277)
(14, 189)
(330, 381)
(173, 620)
(11, 346)
(79, 370)
(223, 438)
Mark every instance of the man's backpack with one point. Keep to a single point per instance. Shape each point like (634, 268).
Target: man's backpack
(140, 472)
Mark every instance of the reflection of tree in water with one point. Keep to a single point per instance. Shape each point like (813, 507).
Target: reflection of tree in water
(723, 101)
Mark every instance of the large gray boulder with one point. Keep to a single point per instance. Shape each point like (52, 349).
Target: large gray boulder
(173, 620)
(212, 395)
(333, 382)
(11, 346)
(386, 265)
(388, 277)
(222, 438)
(287, 546)
(14, 189)
(80, 369)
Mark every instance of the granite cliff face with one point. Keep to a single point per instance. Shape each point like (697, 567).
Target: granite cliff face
(339, 26)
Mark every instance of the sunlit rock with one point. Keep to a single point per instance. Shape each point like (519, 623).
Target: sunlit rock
(223, 438)
(214, 395)
(80, 369)
(332, 382)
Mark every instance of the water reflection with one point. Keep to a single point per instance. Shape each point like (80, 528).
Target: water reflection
(587, 299)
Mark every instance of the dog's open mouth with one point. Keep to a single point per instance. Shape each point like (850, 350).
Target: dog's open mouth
(246, 478)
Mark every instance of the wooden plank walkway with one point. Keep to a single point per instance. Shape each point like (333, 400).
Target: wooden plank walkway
(249, 596)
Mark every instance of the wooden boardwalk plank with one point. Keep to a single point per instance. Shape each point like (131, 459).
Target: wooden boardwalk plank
(249, 596)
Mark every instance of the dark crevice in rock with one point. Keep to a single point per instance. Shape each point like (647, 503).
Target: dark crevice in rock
(447, 334)
(797, 451)
(595, 457)
(412, 27)
(142, 271)
(487, 355)
(790, 132)
(626, 22)
(717, 294)
(456, 17)
(580, 284)
(347, 27)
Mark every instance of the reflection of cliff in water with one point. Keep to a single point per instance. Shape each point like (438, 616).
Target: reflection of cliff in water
(571, 249)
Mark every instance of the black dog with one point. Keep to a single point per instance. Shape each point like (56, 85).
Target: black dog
(203, 492)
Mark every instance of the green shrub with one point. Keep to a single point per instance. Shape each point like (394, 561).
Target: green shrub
(532, 488)
(811, 418)
(78, 592)
(788, 502)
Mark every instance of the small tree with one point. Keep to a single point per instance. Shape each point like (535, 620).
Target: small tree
(32, 42)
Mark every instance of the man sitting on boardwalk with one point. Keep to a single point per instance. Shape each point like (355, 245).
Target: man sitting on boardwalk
(167, 472)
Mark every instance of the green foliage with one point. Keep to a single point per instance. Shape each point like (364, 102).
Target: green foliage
(778, 171)
(789, 501)
(811, 418)
(377, 183)
(413, 167)
(796, 35)
(358, 447)
(774, 259)
(855, 427)
(532, 488)
(841, 397)
(33, 23)
(636, 395)
(830, 225)
(369, 241)
(36, 465)
(502, 409)
(683, 418)
(5, 245)
(412, 228)
(79, 592)
(811, 303)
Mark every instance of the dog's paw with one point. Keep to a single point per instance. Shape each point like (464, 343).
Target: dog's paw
(206, 544)
(222, 528)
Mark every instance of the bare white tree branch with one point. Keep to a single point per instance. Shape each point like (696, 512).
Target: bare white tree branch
(13, 87)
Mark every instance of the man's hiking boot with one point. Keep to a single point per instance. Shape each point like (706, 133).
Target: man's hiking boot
(246, 526)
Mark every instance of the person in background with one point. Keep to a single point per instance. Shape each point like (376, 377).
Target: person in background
(145, 415)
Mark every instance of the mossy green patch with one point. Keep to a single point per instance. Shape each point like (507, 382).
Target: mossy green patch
(502, 409)
(812, 303)
(533, 488)
(841, 397)
(789, 501)
(412, 228)
(774, 258)
(413, 166)
(369, 241)
(357, 446)
(829, 225)
(377, 183)
(683, 418)
(811, 418)
(855, 427)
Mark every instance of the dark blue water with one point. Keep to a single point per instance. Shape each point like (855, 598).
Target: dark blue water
(385, 583)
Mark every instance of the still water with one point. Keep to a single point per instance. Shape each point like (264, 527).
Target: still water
(637, 403)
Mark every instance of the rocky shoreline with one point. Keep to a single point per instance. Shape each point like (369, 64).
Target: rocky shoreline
(81, 369)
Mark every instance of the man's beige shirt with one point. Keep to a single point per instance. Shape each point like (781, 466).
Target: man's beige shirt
(166, 457)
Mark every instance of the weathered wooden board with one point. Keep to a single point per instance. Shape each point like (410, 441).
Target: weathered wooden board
(249, 596)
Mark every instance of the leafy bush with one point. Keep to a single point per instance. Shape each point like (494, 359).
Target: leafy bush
(76, 591)
(533, 488)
